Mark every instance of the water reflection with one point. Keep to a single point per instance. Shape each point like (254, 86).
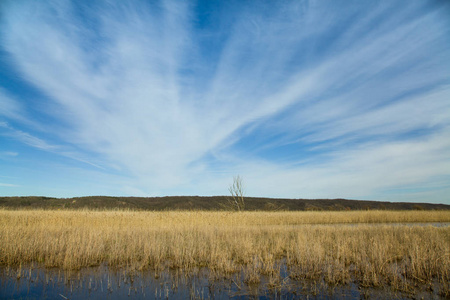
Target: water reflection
(103, 282)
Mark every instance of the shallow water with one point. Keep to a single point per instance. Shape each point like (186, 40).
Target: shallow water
(103, 282)
(437, 224)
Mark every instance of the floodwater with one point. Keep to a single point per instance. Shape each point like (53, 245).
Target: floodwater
(442, 224)
(105, 283)
(34, 282)
(412, 224)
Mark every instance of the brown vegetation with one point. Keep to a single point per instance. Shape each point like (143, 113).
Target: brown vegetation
(255, 243)
(213, 203)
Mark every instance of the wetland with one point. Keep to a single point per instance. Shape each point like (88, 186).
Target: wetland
(78, 254)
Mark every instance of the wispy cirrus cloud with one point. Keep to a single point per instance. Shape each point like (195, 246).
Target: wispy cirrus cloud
(303, 99)
(8, 185)
(10, 107)
(25, 137)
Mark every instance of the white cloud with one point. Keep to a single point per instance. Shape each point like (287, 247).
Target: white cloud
(9, 107)
(8, 153)
(25, 137)
(8, 185)
(136, 88)
(366, 171)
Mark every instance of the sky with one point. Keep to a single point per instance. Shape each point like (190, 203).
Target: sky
(302, 99)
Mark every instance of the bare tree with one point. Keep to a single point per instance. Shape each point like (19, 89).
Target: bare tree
(236, 201)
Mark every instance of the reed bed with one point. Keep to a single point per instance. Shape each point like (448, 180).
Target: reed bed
(310, 245)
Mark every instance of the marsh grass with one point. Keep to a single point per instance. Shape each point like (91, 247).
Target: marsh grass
(311, 245)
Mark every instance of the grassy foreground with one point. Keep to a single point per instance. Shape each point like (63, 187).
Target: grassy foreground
(254, 243)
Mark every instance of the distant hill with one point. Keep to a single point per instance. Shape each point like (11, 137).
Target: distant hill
(207, 203)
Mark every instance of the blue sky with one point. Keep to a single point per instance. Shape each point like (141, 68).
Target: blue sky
(303, 99)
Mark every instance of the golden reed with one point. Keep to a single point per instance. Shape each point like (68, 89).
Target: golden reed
(337, 247)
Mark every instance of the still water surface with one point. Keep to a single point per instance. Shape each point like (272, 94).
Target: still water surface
(105, 283)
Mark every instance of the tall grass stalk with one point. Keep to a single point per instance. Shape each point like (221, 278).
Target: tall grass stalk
(310, 244)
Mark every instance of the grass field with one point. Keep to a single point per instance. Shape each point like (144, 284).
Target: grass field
(311, 245)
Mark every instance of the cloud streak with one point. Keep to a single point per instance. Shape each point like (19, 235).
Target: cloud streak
(8, 185)
(303, 99)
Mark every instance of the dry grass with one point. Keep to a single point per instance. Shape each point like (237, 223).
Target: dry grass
(254, 243)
